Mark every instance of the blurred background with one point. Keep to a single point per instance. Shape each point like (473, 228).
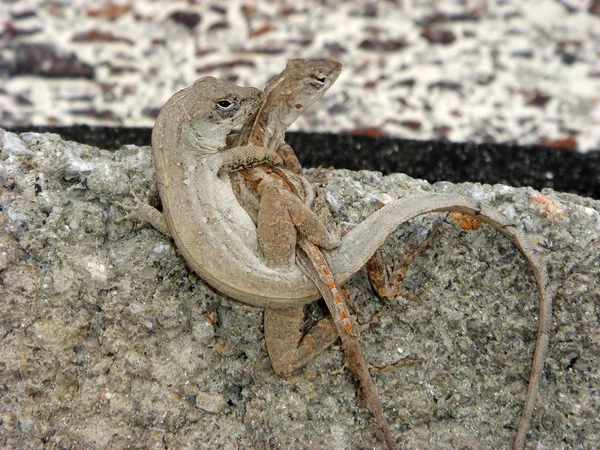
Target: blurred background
(516, 72)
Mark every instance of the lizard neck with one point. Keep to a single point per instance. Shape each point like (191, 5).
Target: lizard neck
(202, 141)
(271, 123)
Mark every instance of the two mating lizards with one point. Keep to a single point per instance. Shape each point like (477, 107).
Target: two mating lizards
(219, 240)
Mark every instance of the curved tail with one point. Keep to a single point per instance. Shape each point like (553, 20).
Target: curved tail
(362, 242)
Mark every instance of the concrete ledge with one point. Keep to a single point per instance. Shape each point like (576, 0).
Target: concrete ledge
(108, 340)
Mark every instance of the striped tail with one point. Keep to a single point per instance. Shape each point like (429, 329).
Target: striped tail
(316, 268)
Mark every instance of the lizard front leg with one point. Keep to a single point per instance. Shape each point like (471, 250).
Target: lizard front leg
(247, 156)
(321, 209)
(233, 159)
(290, 160)
(144, 212)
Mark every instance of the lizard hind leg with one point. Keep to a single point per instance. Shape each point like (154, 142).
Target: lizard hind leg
(276, 232)
(288, 349)
(282, 217)
(387, 281)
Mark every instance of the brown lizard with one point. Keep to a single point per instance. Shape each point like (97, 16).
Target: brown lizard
(284, 219)
(290, 93)
(219, 240)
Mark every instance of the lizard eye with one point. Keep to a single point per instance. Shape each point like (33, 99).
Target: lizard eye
(227, 107)
(225, 104)
(316, 79)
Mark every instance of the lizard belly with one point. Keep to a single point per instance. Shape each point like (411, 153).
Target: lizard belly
(219, 240)
(235, 220)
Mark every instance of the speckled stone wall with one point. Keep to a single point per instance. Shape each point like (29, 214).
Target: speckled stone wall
(525, 72)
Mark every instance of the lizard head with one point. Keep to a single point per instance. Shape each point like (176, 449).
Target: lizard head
(302, 83)
(223, 103)
(216, 107)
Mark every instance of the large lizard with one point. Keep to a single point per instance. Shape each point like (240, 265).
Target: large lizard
(219, 240)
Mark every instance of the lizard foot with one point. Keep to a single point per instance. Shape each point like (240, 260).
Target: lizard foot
(133, 211)
(318, 175)
(387, 281)
(142, 211)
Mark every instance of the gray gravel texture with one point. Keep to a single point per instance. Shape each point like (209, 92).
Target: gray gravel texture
(107, 339)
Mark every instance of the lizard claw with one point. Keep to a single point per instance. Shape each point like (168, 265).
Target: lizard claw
(127, 208)
(318, 175)
(135, 211)
(272, 158)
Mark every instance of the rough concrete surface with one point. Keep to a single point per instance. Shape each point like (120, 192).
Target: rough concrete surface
(109, 341)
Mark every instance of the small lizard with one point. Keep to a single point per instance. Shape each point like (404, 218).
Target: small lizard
(290, 194)
(219, 240)
(279, 211)
(285, 220)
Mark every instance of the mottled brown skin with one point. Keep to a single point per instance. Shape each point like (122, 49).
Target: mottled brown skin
(281, 204)
(290, 232)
